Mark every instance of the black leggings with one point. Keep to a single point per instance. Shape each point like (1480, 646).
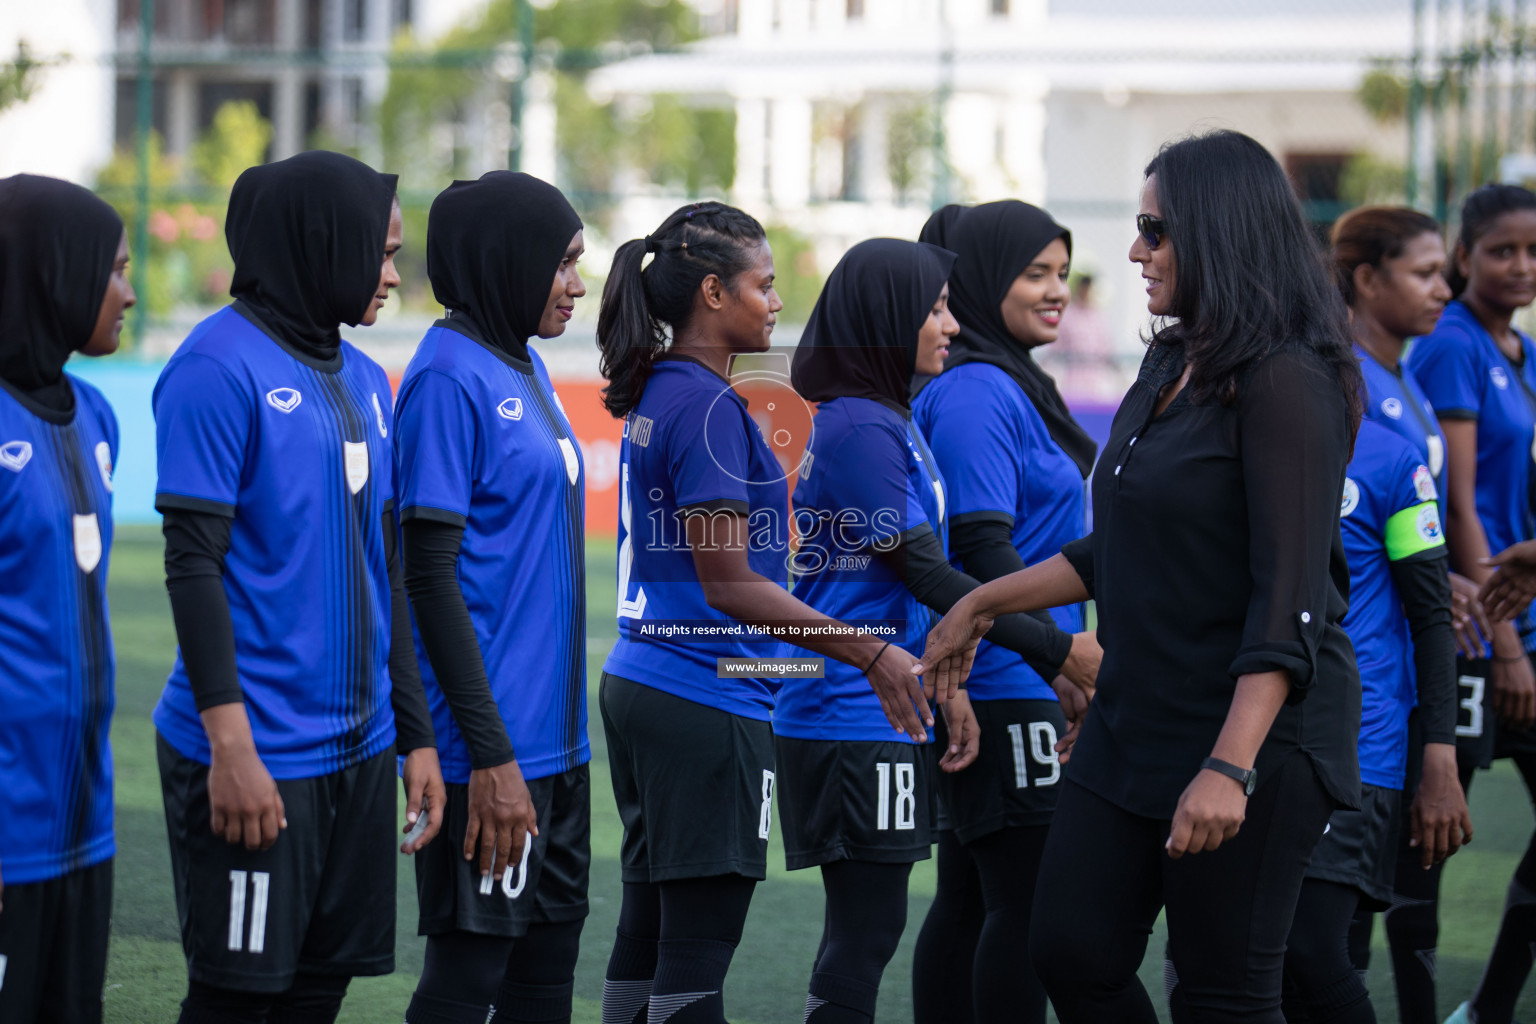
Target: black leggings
(1105, 874)
(1321, 984)
(866, 913)
(311, 999)
(1003, 984)
(945, 953)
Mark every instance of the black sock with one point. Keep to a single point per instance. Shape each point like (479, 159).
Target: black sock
(425, 1009)
(520, 1001)
(1320, 984)
(459, 978)
(208, 1004)
(866, 912)
(946, 944)
(1004, 983)
(540, 975)
(632, 964)
(835, 999)
(690, 974)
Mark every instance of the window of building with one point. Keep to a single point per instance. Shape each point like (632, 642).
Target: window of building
(1317, 178)
(1000, 8)
(855, 9)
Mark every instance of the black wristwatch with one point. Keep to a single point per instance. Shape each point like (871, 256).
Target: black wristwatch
(1245, 777)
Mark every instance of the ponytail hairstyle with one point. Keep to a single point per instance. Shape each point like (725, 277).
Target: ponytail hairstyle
(1369, 236)
(642, 302)
(1478, 212)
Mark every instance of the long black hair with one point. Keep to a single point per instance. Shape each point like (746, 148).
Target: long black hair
(1250, 276)
(1479, 211)
(640, 303)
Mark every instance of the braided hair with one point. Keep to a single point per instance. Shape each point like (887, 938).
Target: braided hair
(642, 302)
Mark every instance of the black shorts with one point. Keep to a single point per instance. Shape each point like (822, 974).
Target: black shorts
(1359, 847)
(53, 947)
(852, 800)
(321, 900)
(1015, 777)
(694, 784)
(1475, 727)
(548, 886)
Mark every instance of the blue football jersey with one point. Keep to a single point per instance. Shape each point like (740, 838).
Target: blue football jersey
(868, 477)
(1466, 376)
(691, 443)
(998, 459)
(299, 457)
(56, 660)
(1396, 401)
(481, 442)
(1389, 513)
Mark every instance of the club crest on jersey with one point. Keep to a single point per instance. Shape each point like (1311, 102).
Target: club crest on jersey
(510, 409)
(1499, 377)
(14, 455)
(1392, 408)
(1428, 524)
(87, 542)
(1351, 497)
(104, 462)
(355, 457)
(1424, 484)
(378, 412)
(284, 399)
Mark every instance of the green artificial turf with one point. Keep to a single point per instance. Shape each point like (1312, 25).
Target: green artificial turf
(146, 979)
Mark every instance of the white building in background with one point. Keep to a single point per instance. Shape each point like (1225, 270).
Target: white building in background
(1057, 103)
(65, 129)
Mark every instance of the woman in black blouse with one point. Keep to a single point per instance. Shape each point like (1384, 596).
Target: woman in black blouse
(1223, 732)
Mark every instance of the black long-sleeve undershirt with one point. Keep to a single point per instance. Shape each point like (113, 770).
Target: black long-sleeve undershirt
(1425, 589)
(195, 546)
(919, 560)
(448, 634)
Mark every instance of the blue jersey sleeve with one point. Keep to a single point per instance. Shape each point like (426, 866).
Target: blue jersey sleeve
(866, 487)
(202, 427)
(1411, 513)
(437, 448)
(973, 431)
(1447, 367)
(709, 454)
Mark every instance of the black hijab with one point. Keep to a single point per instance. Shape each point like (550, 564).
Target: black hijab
(58, 243)
(993, 244)
(861, 341)
(940, 224)
(307, 234)
(493, 248)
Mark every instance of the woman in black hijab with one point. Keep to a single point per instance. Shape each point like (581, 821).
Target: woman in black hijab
(870, 510)
(1014, 461)
(296, 681)
(63, 289)
(491, 498)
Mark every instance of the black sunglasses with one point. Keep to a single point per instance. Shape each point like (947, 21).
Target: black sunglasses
(1152, 229)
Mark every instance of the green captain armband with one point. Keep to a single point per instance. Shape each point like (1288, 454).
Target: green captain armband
(1414, 530)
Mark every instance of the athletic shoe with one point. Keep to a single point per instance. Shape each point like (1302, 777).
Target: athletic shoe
(1461, 1015)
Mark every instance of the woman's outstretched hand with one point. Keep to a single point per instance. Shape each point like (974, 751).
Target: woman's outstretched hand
(951, 648)
(903, 697)
(964, 734)
(1509, 590)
